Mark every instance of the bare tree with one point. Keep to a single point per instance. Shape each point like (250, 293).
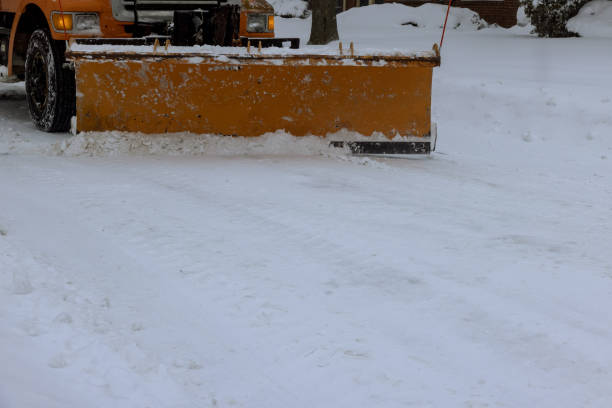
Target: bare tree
(324, 27)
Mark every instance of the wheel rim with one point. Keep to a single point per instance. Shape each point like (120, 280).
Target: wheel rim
(38, 83)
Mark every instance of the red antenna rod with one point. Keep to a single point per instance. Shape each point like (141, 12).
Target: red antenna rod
(445, 20)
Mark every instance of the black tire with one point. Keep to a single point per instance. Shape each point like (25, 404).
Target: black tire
(50, 89)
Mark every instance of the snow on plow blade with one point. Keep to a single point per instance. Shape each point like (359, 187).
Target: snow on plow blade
(139, 89)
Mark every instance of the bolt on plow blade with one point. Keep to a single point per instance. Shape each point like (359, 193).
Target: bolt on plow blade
(383, 100)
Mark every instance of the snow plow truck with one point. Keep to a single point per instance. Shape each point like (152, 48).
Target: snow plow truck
(164, 66)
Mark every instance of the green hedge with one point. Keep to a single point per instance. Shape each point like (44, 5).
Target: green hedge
(549, 17)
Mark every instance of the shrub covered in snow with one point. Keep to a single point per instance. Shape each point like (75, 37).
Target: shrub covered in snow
(289, 8)
(549, 17)
(593, 20)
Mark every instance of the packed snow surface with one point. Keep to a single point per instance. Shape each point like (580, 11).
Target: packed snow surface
(593, 20)
(200, 271)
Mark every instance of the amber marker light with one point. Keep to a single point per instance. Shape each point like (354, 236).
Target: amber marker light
(62, 22)
(271, 23)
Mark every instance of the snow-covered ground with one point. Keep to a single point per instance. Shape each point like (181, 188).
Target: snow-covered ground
(197, 271)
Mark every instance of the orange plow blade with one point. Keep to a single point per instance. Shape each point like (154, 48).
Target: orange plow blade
(243, 94)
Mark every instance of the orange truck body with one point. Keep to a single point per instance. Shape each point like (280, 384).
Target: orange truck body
(109, 26)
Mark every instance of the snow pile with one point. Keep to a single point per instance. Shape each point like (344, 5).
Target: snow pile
(521, 18)
(279, 143)
(380, 17)
(289, 8)
(593, 20)
(106, 144)
(386, 28)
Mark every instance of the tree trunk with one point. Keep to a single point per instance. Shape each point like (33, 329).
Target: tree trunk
(324, 28)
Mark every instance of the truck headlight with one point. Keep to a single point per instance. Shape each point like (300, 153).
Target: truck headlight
(76, 23)
(259, 23)
(84, 23)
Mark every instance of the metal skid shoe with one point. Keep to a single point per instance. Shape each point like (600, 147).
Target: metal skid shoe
(415, 145)
(385, 147)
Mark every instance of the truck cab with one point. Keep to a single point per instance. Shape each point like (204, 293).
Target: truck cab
(108, 19)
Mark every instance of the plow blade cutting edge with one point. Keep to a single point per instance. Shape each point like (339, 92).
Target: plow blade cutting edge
(383, 101)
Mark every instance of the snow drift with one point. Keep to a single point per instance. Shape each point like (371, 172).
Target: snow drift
(289, 8)
(593, 20)
(379, 18)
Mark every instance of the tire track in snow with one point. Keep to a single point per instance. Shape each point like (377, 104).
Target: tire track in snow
(509, 332)
(288, 229)
(118, 365)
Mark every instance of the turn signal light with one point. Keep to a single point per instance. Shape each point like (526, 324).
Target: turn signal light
(271, 23)
(62, 22)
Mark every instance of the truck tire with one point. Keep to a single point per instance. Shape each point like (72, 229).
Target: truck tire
(50, 88)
